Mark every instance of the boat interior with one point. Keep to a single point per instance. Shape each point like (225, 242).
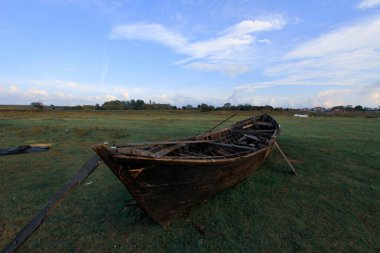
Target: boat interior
(244, 137)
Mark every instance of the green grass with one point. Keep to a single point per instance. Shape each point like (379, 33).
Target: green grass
(333, 205)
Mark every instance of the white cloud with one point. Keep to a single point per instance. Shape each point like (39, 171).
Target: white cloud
(368, 95)
(257, 94)
(231, 47)
(13, 89)
(250, 26)
(37, 92)
(265, 41)
(151, 32)
(63, 85)
(125, 95)
(348, 57)
(362, 35)
(229, 69)
(61, 92)
(333, 97)
(366, 4)
(110, 97)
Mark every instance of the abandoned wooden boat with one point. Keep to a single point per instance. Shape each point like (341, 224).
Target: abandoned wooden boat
(168, 178)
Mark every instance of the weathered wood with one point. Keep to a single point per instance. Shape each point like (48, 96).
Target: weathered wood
(232, 146)
(167, 150)
(233, 115)
(221, 152)
(259, 132)
(194, 154)
(154, 153)
(23, 149)
(261, 123)
(27, 231)
(135, 152)
(254, 138)
(168, 186)
(161, 143)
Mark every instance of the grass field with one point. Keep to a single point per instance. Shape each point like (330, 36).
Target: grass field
(333, 205)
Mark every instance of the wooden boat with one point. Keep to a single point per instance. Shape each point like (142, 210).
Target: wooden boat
(168, 178)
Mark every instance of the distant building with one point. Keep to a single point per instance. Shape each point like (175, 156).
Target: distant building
(318, 109)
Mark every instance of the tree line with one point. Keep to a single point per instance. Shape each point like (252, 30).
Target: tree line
(203, 107)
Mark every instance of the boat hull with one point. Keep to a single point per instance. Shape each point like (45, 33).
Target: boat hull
(167, 188)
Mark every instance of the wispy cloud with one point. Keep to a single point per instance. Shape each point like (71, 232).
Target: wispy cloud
(366, 4)
(347, 56)
(262, 94)
(342, 64)
(63, 92)
(368, 95)
(225, 52)
(365, 35)
(104, 73)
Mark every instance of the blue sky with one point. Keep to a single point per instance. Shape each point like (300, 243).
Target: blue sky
(292, 53)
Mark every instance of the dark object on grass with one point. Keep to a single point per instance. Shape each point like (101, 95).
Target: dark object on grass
(23, 149)
(168, 178)
(27, 231)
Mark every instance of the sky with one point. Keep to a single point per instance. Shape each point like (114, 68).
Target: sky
(289, 53)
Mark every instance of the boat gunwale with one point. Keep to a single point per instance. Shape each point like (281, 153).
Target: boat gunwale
(199, 160)
(195, 160)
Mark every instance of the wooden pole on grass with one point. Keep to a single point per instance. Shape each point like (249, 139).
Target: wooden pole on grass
(291, 166)
(27, 231)
(233, 115)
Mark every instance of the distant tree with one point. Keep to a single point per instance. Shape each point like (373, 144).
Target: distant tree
(348, 108)
(359, 108)
(38, 105)
(268, 107)
(88, 107)
(245, 107)
(139, 104)
(227, 106)
(113, 105)
(98, 107)
(52, 107)
(205, 107)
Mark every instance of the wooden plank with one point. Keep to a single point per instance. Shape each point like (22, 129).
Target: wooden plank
(135, 151)
(221, 152)
(222, 122)
(194, 154)
(261, 123)
(232, 146)
(247, 126)
(253, 131)
(27, 231)
(167, 150)
(23, 149)
(157, 152)
(161, 143)
(251, 137)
